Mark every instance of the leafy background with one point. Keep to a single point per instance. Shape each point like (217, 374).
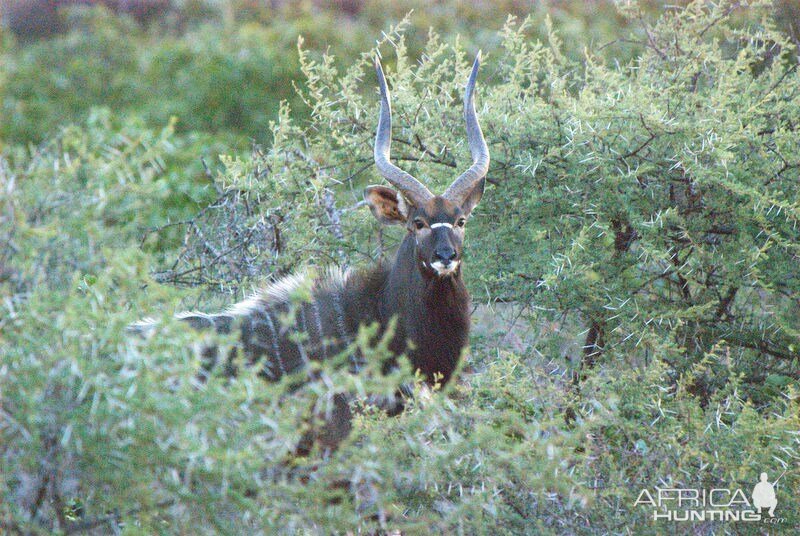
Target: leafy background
(633, 262)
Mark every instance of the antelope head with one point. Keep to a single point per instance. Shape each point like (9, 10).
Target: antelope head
(436, 222)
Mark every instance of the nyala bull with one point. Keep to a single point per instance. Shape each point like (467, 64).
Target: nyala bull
(422, 289)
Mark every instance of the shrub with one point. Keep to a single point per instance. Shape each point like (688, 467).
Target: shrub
(226, 83)
(651, 204)
(216, 74)
(655, 200)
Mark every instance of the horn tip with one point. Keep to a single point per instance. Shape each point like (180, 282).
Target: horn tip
(475, 66)
(477, 61)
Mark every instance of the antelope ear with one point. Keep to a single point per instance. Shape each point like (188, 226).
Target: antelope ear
(388, 206)
(473, 198)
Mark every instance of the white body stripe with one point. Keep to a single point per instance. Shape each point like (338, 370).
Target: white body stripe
(435, 225)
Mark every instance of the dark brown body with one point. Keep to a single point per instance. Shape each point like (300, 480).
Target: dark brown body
(432, 326)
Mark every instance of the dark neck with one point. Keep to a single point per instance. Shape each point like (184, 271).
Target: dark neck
(432, 312)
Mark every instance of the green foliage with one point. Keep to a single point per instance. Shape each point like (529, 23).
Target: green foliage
(229, 80)
(652, 202)
(230, 84)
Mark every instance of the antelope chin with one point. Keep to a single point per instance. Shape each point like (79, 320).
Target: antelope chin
(443, 270)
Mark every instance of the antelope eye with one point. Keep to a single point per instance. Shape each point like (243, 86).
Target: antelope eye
(461, 222)
(419, 224)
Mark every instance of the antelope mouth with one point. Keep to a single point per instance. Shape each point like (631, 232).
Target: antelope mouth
(443, 269)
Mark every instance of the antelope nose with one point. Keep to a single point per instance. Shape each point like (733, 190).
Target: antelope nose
(445, 254)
